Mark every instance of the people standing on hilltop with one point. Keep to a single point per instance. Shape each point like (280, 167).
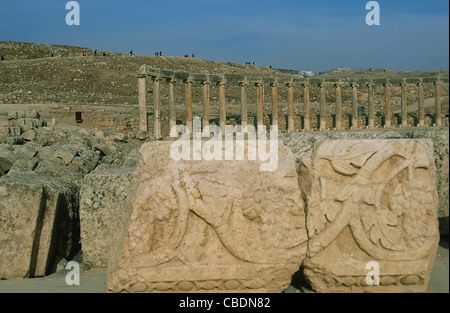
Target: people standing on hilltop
(2, 58)
(131, 52)
(84, 53)
(160, 53)
(193, 55)
(95, 53)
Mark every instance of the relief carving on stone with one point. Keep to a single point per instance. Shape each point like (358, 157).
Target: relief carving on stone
(224, 217)
(383, 191)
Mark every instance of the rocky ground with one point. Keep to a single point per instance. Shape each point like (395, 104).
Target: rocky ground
(94, 281)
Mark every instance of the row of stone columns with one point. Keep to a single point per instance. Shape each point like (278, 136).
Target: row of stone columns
(274, 87)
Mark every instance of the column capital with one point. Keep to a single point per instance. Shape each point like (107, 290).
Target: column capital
(403, 84)
(387, 85)
(156, 78)
(354, 85)
(243, 84)
(206, 82)
(141, 75)
(336, 85)
(171, 80)
(419, 84)
(437, 83)
(306, 84)
(188, 81)
(275, 84)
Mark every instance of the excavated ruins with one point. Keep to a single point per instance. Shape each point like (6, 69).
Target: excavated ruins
(349, 189)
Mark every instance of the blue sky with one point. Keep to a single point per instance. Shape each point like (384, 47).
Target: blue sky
(292, 34)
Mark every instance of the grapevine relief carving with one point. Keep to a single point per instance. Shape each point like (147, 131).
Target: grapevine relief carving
(384, 192)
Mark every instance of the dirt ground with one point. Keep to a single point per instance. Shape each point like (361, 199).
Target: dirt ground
(92, 281)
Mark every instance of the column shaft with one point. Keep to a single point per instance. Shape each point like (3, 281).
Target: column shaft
(307, 119)
(354, 106)
(438, 104)
(291, 122)
(156, 109)
(387, 118)
(338, 118)
(274, 104)
(172, 110)
(244, 104)
(323, 103)
(371, 105)
(143, 124)
(206, 103)
(222, 108)
(421, 108)
(188, 99)
(259, 105)
(404, 106)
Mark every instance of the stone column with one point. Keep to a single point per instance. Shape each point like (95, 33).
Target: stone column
(291, 122)
(307, 118)
(354, 106)
(244, 103)
(323, 103)
(274, 87)
(222, 106)
(404, 105)
(259, 104)
(371, 105)
(206, 102)
(172, 110)
(142, 90)
(338, 121)
(438, 104)
(421, 109)
(188, 99)
(156, 109)
(387, 119)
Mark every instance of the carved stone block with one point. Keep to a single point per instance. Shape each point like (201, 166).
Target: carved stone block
(370, 201)
(209, 226)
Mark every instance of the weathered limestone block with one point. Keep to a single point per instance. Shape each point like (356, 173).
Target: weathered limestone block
(209, 226)
(10, 131)
(38, 224)
(102, 196)
(5, 166)
(11, 140)
(370, 200)
(24, 165)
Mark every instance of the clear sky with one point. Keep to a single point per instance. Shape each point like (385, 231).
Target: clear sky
(290, 34)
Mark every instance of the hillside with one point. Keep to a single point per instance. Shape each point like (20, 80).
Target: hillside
(30, 75)
(107, 83)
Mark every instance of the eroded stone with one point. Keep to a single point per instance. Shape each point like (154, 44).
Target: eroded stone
(370, 200)
(221, 226)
